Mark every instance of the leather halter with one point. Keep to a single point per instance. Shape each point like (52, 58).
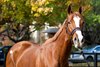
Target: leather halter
(73, 31)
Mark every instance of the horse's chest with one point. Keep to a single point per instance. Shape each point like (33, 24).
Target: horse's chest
(46, 59)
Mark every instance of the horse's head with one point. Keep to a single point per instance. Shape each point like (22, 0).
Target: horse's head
(74, 25)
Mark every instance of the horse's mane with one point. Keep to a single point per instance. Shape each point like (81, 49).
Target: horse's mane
(54, 38)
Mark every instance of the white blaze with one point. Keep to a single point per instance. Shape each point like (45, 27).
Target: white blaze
(77, 21)
(78, 32)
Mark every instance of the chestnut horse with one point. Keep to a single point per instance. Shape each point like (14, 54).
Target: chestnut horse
(55, 51)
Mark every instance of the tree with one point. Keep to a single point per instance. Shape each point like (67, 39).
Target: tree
(13, 14)
(16, 12)
(92, 19)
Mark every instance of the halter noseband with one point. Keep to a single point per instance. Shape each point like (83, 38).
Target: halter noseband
(74, 30)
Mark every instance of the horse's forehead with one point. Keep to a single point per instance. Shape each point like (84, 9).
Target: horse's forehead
(76, 14)
(77, 20)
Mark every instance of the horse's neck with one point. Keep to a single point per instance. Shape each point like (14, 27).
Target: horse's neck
(61, 38)
(63, 44)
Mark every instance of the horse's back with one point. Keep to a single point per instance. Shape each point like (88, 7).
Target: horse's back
(16, 51)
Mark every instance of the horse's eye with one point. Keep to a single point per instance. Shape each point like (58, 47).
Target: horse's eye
(83, 22)
(68, 22)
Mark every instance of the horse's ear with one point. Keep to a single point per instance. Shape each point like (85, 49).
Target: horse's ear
(80, 10)
(69, 9)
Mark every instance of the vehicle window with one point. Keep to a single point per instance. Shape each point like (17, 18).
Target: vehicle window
(97, 49)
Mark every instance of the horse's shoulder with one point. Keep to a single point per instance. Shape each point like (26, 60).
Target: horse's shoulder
(48, 41)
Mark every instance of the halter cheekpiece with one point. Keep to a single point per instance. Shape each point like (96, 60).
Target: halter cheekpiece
(73, 31)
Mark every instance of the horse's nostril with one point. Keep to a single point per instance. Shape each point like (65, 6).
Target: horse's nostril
(75, 39)
(82, 40)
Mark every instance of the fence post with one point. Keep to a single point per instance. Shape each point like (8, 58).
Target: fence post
(4, 59)
(95, 59)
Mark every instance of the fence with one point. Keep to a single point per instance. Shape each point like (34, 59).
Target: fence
(95, 61)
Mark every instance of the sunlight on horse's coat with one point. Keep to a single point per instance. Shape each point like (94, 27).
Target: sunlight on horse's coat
(11, 51)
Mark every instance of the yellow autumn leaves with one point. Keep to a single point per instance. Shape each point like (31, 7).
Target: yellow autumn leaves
(5, 0)
(39, 7)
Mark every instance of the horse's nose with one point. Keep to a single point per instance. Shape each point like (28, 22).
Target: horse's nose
(82, 40)
(79, 40)
(80, 48)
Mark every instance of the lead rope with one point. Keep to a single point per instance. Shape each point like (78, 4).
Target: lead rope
(85, 58)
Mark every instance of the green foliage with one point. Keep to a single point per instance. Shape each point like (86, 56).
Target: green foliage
(93, 16)
(92, 20)
(50, 11)
(17, 11)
